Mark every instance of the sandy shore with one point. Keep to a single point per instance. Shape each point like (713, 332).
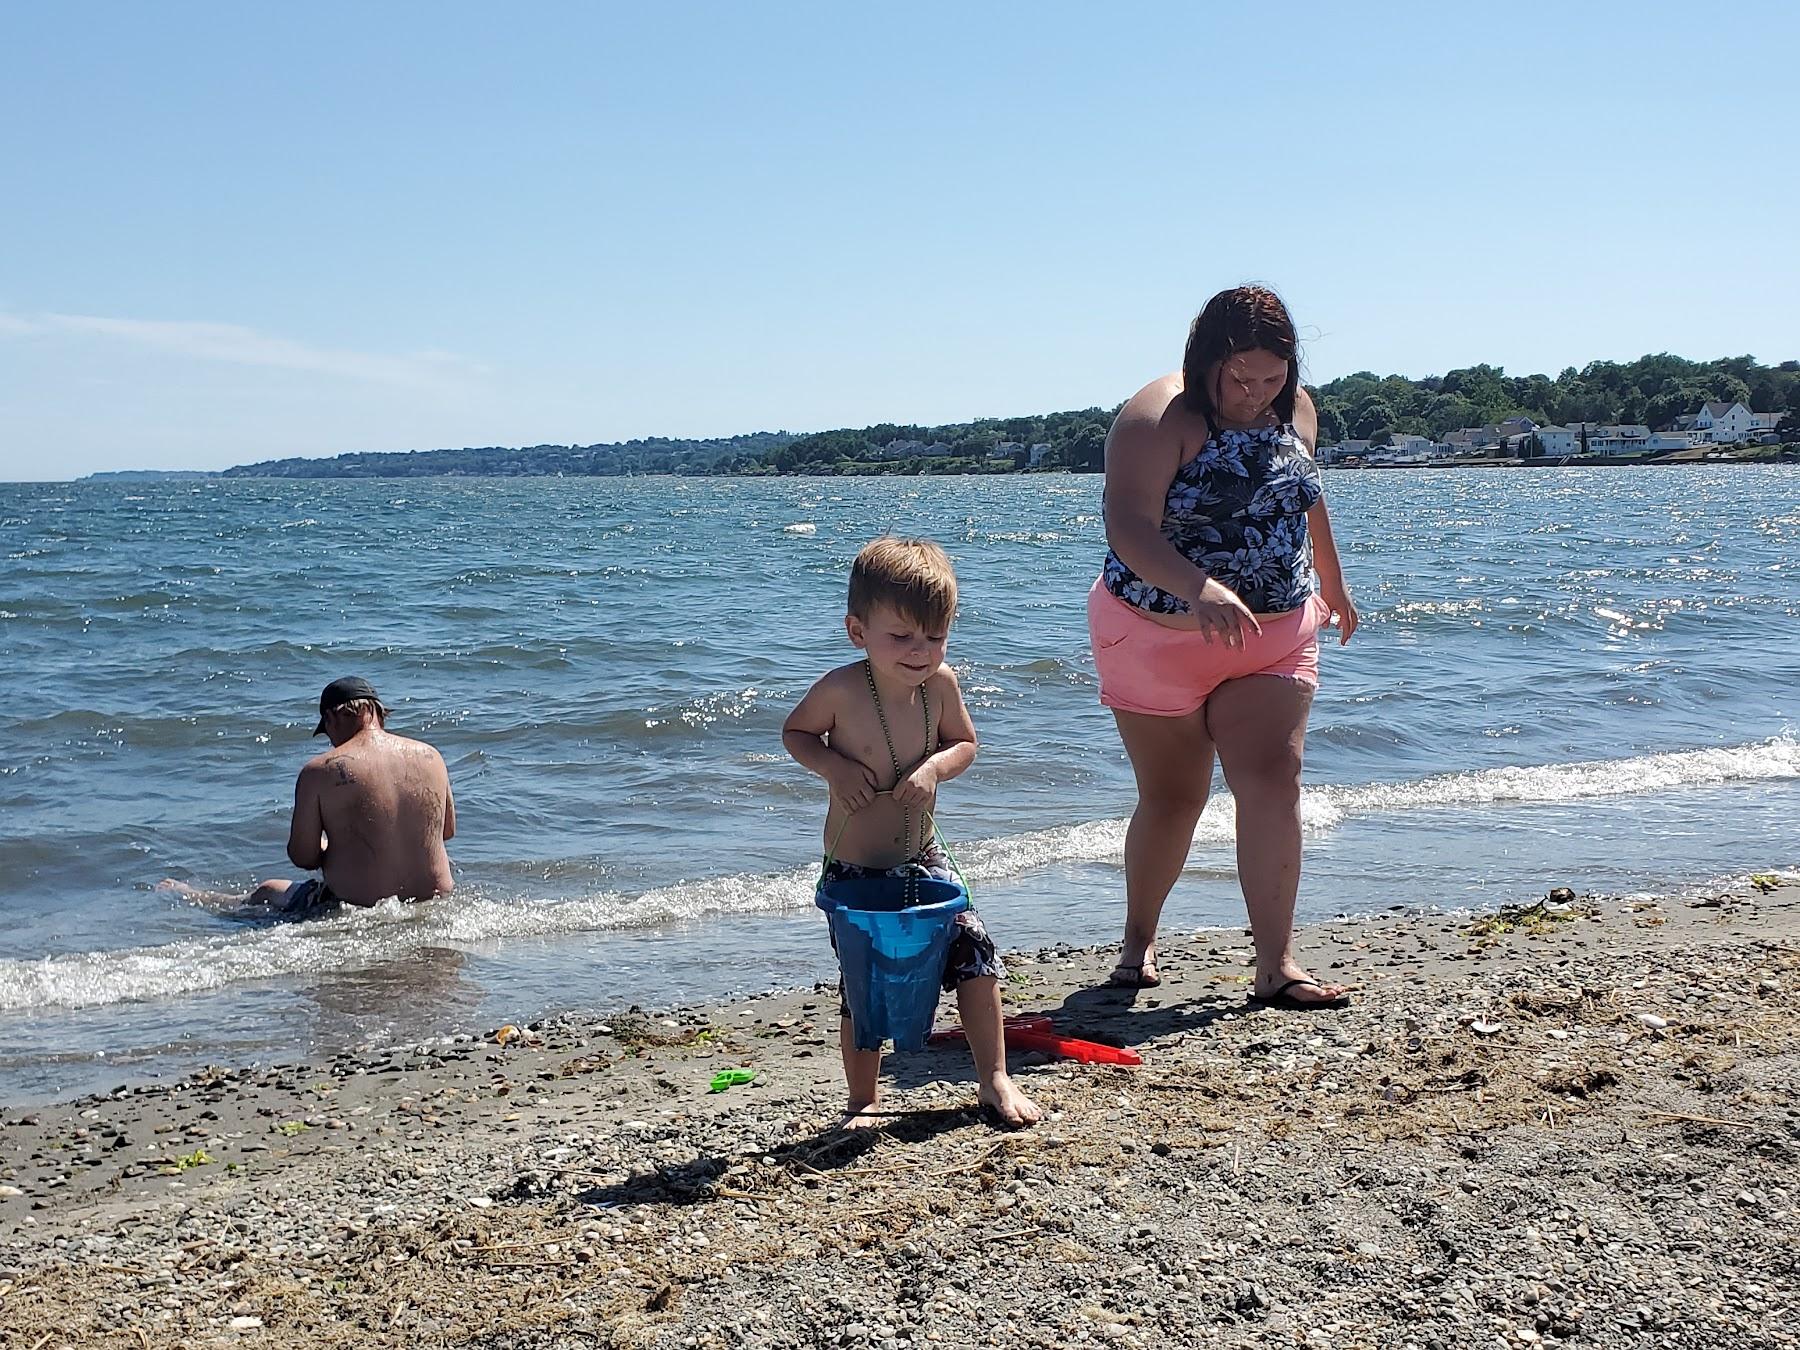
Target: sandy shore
(1580, 1129)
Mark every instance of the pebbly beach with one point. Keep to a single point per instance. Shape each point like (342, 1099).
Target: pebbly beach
(1568, 1123)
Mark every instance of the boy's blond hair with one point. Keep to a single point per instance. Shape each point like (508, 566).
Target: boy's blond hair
(913, 577)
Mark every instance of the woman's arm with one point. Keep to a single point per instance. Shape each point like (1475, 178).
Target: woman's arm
(1318, 524)
(1331, 573)
(1143, 453)
(1306, 421)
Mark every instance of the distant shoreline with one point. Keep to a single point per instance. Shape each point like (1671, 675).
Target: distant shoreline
(1762, 454)
(1772, 454)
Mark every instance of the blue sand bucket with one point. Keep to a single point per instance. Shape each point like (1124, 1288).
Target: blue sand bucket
(891, 935)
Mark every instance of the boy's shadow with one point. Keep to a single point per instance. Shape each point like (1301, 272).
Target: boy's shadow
(829, 1150)
(1103, 1013)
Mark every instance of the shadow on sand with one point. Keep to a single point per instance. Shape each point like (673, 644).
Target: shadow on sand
(1102, 1013)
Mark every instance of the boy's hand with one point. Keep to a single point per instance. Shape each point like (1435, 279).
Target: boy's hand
(852, 783)
(919, 787)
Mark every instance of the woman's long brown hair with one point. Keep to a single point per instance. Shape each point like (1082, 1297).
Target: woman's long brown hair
(1243, 319)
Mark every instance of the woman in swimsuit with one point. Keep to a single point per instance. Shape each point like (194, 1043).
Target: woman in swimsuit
(1204, 620)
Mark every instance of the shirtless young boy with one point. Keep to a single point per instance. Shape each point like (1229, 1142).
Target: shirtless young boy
(883, 733)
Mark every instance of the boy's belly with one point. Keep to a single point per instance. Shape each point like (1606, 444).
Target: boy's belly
(883, 834)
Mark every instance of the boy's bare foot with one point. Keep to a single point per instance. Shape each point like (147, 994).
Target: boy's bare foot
(869, 1117)
(1002, 1096)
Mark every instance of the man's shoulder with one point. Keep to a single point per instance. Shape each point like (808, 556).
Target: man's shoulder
(411, 746)
(370, 754)
(319, 762)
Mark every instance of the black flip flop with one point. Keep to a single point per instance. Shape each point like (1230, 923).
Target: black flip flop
(1285, 1001)
(1136, 980)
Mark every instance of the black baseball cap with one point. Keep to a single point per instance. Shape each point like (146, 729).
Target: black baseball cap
(346, 690)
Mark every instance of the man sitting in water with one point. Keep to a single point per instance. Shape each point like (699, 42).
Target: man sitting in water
(373, 813)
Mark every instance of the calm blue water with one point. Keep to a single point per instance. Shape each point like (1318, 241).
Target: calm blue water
(1581, 677)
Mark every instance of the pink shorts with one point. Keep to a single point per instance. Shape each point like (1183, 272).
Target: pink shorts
(1168, 672)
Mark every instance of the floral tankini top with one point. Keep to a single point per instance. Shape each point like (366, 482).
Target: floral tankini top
(1238, 511)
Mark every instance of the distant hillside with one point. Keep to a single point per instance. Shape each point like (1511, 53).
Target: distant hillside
(659, 454)
(1653, 390)
(1058, 440)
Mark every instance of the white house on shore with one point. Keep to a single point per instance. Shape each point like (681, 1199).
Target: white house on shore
(1728, 424)
(1714, 424)
(1618, 439)
(1626, 438)
(1558, 441)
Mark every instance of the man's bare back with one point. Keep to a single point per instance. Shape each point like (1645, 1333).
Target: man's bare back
(374, 811)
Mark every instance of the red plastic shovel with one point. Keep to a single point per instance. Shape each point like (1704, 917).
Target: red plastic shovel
(1034, 1033)
(1085, 1052)
(1027, 1022)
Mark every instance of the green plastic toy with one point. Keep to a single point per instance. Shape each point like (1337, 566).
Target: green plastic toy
(730, 1078)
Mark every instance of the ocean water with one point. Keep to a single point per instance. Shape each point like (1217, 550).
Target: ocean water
(1564, 677)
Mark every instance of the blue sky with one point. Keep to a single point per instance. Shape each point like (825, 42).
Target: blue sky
(232, 232)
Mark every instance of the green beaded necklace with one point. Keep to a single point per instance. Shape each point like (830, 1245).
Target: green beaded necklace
(894, 757)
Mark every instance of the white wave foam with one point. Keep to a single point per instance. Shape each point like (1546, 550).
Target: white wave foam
(800, 527)
(386, 932)
(393, 931)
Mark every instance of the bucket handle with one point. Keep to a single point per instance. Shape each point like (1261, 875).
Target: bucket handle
(932, 832)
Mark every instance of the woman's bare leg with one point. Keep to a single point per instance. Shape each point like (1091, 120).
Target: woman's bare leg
(1259, 727)
(1172, 758)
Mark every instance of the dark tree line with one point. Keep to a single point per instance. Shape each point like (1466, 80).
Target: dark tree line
(1075, 440)
(658, 454)
(1652, 391)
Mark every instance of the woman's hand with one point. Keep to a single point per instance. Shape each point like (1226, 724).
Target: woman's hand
(1222, 616)
(1343, 610)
